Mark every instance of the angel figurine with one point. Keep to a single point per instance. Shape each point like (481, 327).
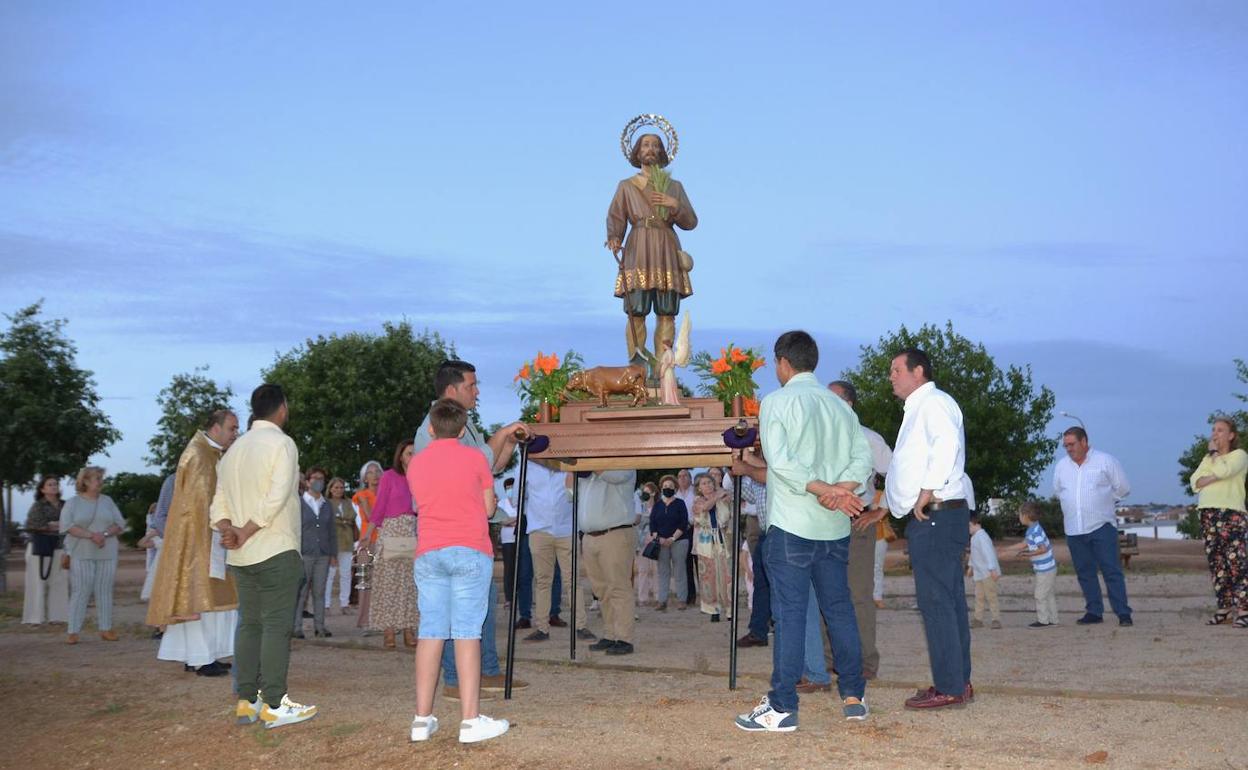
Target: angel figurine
(669, 394)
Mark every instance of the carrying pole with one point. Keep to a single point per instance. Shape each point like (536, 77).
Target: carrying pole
(521, 526)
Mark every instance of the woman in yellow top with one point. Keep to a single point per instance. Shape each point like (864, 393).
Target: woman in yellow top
(1219, 482)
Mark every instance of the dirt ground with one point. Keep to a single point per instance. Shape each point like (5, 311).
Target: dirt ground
(1168, 693)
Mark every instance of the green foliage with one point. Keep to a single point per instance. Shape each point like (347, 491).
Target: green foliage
(52, 420)
(1050, 517)
(133, 493)
(1004, 416)
(545, 380)
(185, 404)
(1189, 461)
(729, 376)
(1189, 526)
(354, 397)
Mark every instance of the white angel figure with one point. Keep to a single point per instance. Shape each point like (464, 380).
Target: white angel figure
(669, 359)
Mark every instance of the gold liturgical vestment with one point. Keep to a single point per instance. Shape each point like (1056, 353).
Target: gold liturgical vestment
(182, 588)
(650, 259)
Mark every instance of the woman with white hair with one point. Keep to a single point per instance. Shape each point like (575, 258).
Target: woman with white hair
(365, 500)
(91, 523)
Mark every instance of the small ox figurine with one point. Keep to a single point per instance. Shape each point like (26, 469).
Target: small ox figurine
(603, 381)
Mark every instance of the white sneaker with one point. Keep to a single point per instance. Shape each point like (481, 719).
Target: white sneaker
(481, 729)
(764, 718)
(247, 713)
(288, 713)
(594, 606)
(423, 727)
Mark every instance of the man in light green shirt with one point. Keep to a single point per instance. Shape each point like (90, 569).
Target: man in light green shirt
(817, 461)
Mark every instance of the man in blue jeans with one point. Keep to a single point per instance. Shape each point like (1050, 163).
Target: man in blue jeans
(457, 380)
(817, 461)
(926, 476)
(1089, 483)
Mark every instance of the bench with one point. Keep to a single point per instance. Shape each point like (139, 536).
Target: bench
(1128, 546)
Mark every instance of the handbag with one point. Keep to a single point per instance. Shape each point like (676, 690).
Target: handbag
(651, 551)
(44, 543)
(398, 547)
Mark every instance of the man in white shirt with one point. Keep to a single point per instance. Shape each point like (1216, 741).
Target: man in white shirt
(1089, 483)
(548, 512)
(926, 476)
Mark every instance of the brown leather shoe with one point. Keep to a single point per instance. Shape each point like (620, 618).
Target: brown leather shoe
(558, 622)
(452, 693)
(71, 639)
(931, 699)
(497, 683)
(523, 623)
(969, 695)
(750, 640)
(387, 640)
(409, 638)
(805, 686)
(109, 636)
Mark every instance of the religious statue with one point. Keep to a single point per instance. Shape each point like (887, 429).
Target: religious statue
(669, 359)
(654, 271)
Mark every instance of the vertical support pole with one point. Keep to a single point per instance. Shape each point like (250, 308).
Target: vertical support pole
(576, 572)
(736, 581)
(521, 526)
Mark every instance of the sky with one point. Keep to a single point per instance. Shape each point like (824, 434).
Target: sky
(1064, 182)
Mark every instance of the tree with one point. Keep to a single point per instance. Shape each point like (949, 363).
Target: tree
(133, 493)
(354, 397)
(1004, 417)
(1189, 461)
(52, 420)
(185, 404)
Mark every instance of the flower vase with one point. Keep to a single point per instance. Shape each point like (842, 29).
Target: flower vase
(544, 412)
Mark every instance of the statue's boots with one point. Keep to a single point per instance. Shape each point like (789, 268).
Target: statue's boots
(664, 331)
(635, 333)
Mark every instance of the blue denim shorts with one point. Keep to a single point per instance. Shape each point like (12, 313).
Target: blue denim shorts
(453, 592)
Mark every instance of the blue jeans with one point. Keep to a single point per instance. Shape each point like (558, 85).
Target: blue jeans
(524, 593)
(453, 587)
(489, 646)
(795, 565)
(936, 548)
(1099, 550)
(814, 668)
(760, 614)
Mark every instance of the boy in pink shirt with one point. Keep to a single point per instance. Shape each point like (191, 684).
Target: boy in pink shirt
(454, 494)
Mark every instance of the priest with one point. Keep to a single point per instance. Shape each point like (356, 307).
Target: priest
(192, 594)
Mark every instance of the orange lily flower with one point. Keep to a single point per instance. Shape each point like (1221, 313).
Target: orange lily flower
(750, 407)
(759, 363)
(738, 356)
(720, 366)
(523, 374)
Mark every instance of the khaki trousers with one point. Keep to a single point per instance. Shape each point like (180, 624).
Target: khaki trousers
(609, 563)
(861, 589)
(546, 550)
(986, 589)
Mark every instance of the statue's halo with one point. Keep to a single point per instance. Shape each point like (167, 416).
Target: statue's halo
(649, 119)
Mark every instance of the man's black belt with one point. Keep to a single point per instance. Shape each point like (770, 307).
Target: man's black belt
(605, 531)
(940, 505)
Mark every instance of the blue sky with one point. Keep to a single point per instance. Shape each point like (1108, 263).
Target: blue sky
(1065, 182)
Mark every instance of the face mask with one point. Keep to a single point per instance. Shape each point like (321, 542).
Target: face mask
(669, 492)
(645, 497)
(317, 486)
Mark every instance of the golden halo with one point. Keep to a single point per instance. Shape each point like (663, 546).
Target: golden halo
(649, 119)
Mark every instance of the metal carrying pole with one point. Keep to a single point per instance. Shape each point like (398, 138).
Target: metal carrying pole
(521, 483)
(576, 546)
(736, 581)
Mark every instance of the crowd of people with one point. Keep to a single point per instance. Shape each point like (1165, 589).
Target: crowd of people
(246, 548)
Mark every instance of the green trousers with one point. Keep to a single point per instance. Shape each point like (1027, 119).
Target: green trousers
(267, 593)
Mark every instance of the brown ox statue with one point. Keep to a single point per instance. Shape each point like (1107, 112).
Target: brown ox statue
(604, 381)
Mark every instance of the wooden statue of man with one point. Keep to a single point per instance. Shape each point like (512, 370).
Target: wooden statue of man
(651, 274)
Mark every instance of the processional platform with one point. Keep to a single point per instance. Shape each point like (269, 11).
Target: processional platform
(589, 437)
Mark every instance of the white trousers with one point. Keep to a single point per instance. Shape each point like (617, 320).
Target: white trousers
(881, 550)
(343, 573)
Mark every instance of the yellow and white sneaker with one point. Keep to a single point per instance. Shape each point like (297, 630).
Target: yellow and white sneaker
(288, 713)
(246, 713)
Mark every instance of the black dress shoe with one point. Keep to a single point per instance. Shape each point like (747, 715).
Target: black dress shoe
(1089, 619)
(537, 636)
(750, 640)
(524, 623)
(308, 615)
(585, 634)
(602, 644)
(715, 618)
(212, 669)
(620, 648)
(323, 634)
(1125, 620)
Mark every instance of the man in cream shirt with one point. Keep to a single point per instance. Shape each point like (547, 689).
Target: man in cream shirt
(256, 509)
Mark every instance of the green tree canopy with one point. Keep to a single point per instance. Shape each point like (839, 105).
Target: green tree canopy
(354, 397)
(1190, 459)
(185, 404)
(52, 422)
(133, 493)
(1004, 416)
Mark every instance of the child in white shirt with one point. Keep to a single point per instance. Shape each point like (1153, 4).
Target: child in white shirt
(984, 570)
